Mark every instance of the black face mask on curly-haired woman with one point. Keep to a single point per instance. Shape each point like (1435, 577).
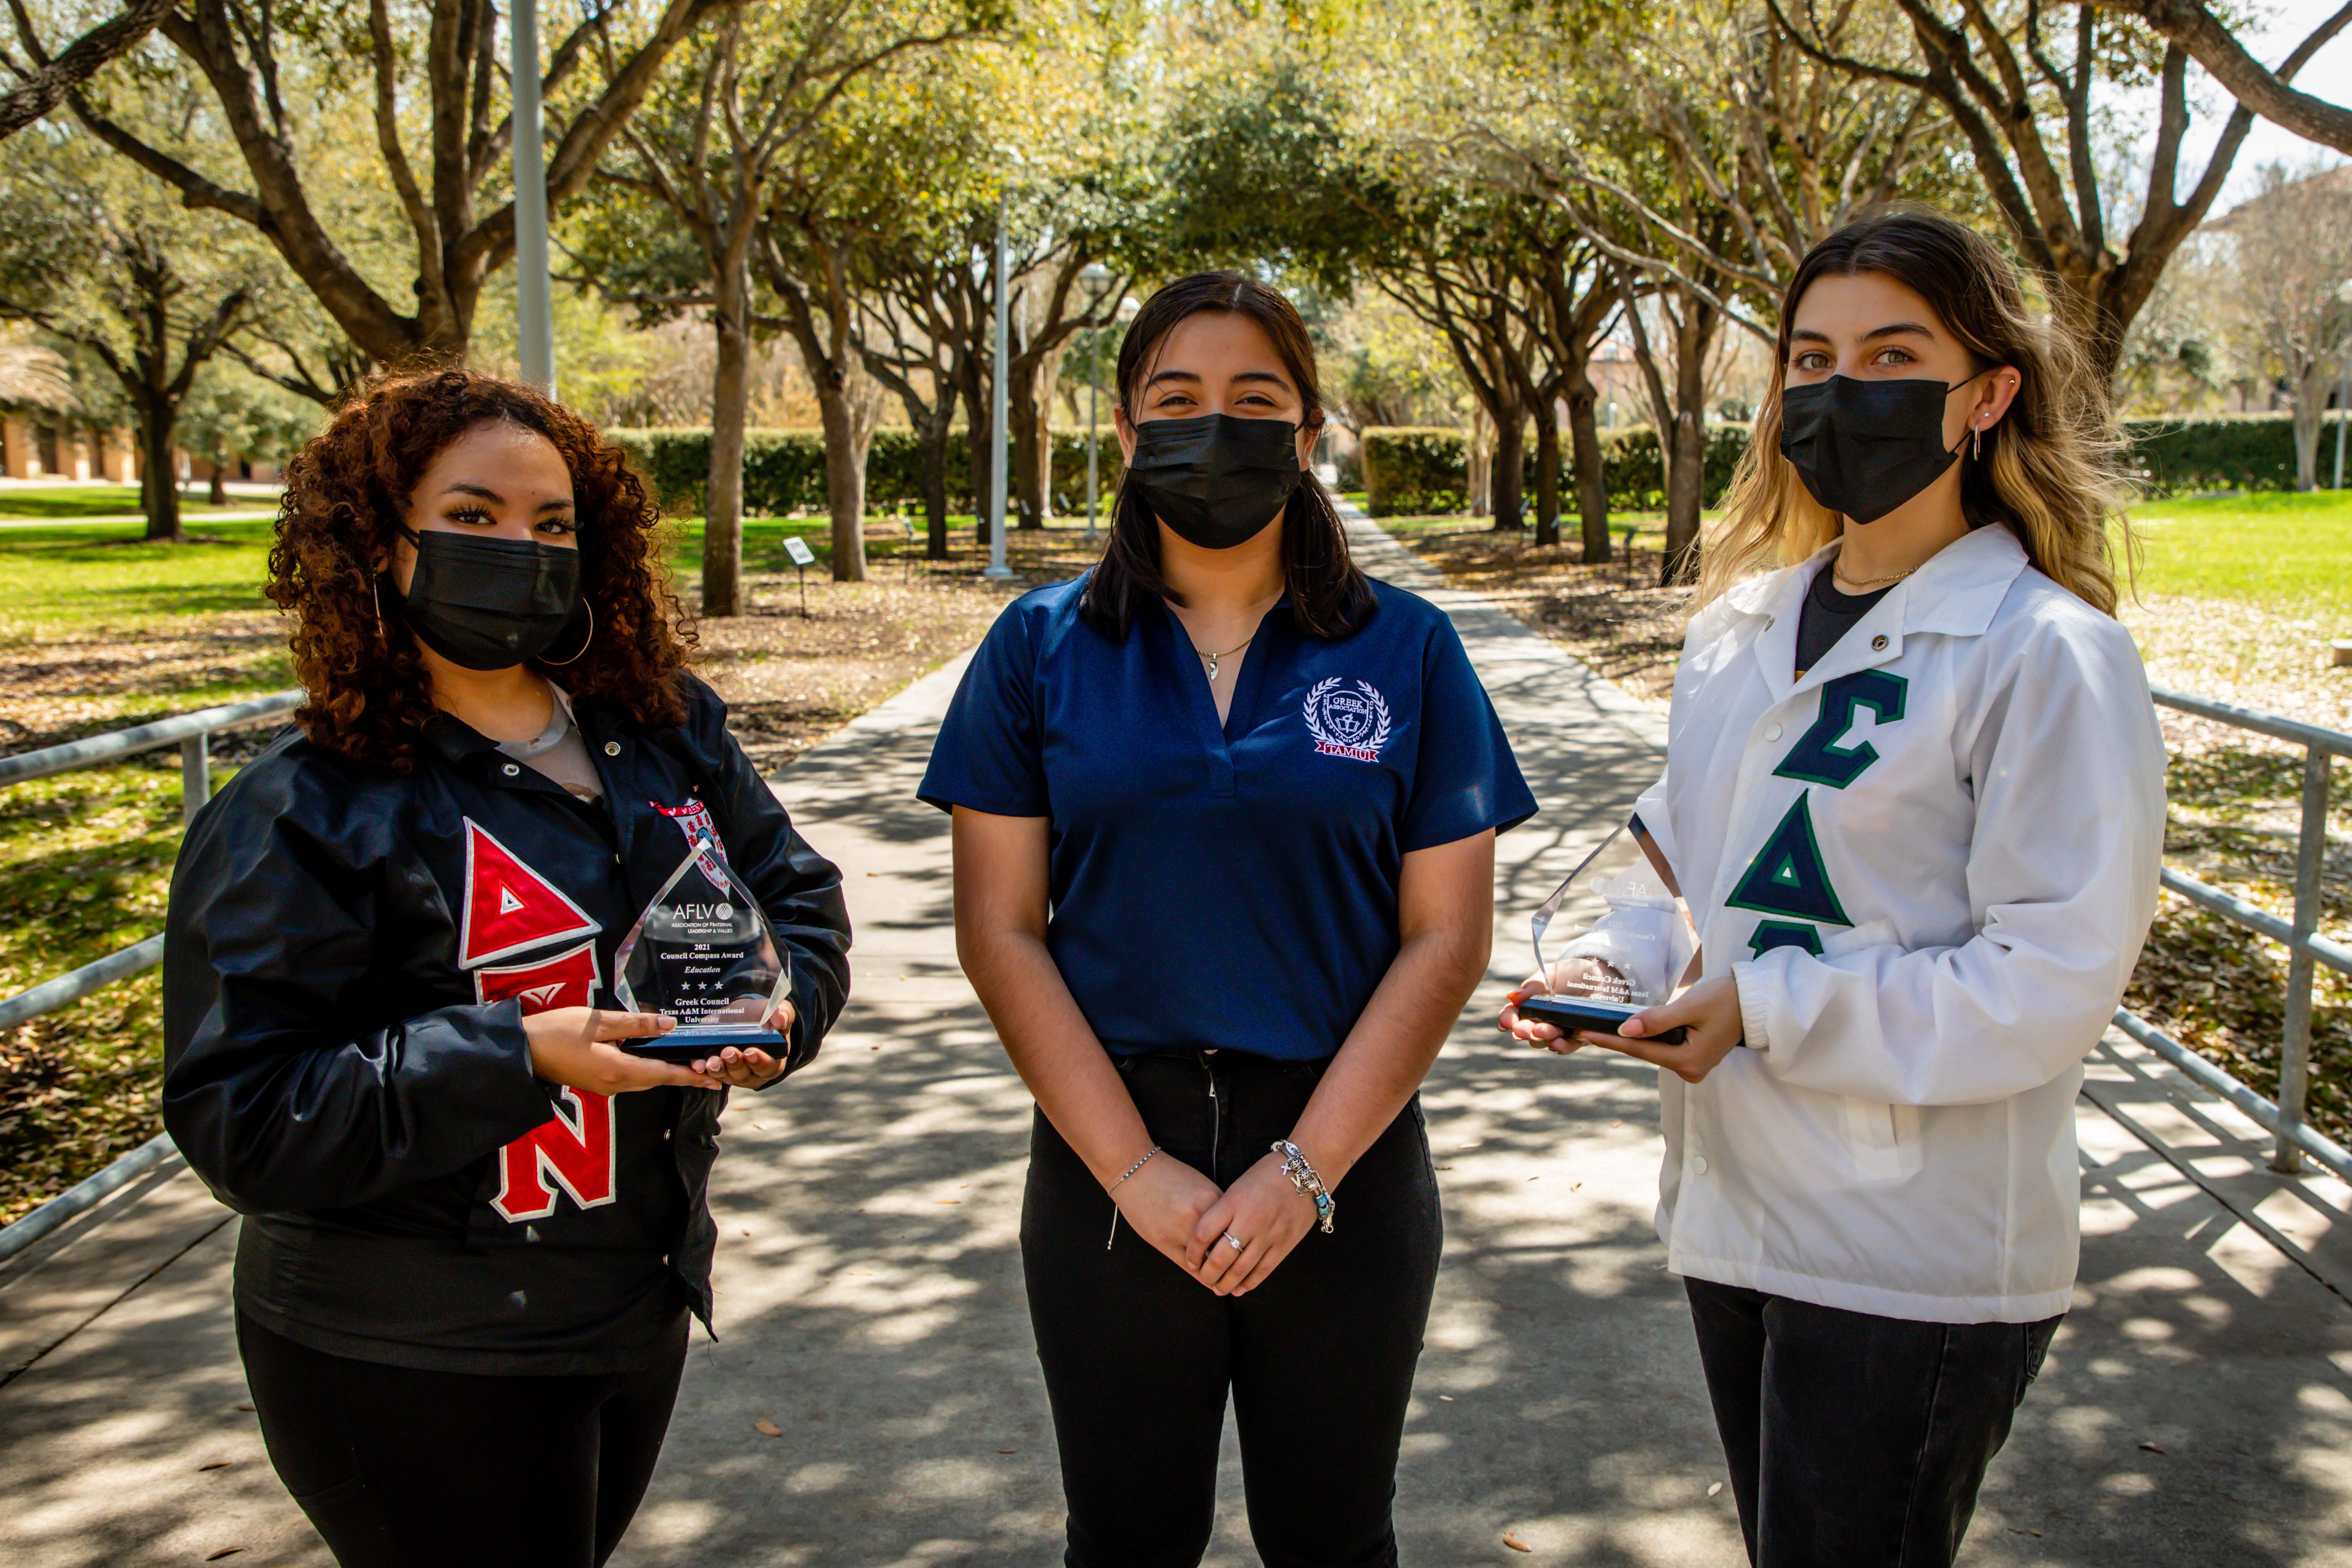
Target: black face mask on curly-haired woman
(389, 1033)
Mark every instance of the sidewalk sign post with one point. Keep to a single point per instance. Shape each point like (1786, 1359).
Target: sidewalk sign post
(796, 550)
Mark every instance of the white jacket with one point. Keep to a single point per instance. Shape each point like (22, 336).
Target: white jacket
(1930, 866)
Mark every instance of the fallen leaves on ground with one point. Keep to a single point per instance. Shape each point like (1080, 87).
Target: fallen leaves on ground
(766, 1428)
(1515, 1543)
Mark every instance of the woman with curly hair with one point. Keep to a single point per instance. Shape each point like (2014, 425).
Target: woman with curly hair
(475, 1223)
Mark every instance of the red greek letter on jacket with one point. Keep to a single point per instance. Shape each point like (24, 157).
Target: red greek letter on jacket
(572, 1150)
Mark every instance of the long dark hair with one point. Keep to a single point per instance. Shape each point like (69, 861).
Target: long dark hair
(1329, 596)
(2049, 471)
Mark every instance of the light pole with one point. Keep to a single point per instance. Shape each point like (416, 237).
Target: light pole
(534, 311)
(1095, 279)
(998, 414)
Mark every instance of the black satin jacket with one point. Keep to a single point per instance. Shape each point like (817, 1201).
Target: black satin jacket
(348, 958)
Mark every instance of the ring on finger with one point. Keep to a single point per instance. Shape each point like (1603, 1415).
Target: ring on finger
(1235, 1242)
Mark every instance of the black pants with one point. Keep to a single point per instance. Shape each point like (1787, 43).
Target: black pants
(400, 1469)
(1856, 1441)
(1138, 1355)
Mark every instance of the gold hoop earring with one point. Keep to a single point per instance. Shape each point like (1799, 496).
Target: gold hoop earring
(1976, 446)
(559, 663)
(376, 594)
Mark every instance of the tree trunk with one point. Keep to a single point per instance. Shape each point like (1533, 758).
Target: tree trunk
(159, 489)
(976, 420)
(934, 431)
(1033, 465)
(1686, 472)
(1592, 479)
(1481, 465)
(847, 433)
(2310, 416)
(730, 394)
(218, 493)
(1547, 473)
(1507, 480)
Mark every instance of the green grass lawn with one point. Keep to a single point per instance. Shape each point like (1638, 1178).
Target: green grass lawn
(110, 501)
(78, 580)
(2278, 548)
(2274, 548)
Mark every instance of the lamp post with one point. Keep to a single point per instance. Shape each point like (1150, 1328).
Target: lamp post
(1095, 279)
(534, 311)
(998, 414)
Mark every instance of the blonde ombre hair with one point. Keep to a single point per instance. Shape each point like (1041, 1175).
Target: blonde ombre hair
(2049, 470)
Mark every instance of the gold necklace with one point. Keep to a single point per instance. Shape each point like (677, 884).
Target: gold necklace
(1843, 581)
(1229, 653)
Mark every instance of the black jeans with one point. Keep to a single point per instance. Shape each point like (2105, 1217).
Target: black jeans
(401, 1469)
(1856, 1441)
(1138, 1355)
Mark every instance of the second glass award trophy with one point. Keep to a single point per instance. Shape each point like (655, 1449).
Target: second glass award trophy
(1628, 942)
(704, 953)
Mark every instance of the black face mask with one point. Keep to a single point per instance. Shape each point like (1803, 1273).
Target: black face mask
(1215, 479)
(489, 603)
(1865, 447)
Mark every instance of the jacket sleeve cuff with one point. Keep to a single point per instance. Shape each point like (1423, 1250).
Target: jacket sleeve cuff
(1753, 985)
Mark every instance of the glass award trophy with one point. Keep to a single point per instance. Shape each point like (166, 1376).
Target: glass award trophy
(1627, 943)
(704, 953)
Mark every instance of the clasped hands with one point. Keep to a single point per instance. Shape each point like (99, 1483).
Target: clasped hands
(1179, 1211)
(1708, 1010)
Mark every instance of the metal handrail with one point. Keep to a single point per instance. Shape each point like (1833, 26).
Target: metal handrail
(2299, 934)
(193, 733)
(98, 750)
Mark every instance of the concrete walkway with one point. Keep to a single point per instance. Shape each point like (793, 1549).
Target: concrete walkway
(2197, 1409)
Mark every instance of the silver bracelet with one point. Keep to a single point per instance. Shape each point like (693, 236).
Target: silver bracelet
(1114, 1186)
(1295, 1165)
(1132, 1168)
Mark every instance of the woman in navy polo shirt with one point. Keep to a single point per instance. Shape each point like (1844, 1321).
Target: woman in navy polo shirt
(1225, 826)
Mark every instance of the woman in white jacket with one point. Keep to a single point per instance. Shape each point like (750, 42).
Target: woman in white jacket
(1914, 800)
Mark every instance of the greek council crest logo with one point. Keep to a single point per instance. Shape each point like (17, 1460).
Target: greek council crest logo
(1347, 723)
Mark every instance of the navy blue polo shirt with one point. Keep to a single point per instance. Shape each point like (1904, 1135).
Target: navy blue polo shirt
(1231, 886)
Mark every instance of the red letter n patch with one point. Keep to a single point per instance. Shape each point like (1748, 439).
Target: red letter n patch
(572, 1150)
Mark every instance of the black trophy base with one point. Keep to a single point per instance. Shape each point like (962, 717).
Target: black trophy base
(689, 1044)
(1573, 1013)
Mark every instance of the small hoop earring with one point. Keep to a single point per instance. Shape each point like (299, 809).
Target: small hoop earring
(559, 663)
(376, 594)
(1976, 445)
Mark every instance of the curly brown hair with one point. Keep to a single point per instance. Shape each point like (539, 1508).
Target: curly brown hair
(369, 694)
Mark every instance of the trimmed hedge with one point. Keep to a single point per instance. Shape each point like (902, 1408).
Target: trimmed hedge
(1412, 471)
(1416, 471)
(2225, 452)
(783, 470)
